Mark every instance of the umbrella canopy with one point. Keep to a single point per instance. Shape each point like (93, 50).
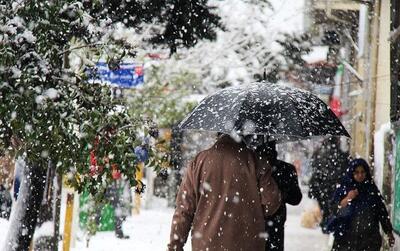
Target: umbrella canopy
(265, 109)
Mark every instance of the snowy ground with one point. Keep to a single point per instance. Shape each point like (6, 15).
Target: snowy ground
(299, 238)
(150, 231)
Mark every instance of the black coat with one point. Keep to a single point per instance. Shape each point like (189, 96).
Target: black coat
(360, 232)
(329, 166)
(286, 177)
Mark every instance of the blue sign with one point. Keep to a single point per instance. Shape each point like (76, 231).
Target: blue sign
(128, 75)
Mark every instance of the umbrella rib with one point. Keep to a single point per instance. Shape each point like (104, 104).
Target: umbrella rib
(239, 122)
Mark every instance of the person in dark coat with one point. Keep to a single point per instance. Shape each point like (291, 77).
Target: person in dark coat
(329, 164)
(285, 176)
(361, 205)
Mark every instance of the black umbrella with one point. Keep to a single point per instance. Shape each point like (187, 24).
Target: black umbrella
(281, 112)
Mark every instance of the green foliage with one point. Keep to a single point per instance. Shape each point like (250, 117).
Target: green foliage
(162, 100)
(55, 113)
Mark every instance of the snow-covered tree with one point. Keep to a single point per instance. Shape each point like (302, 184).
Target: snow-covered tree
(294, 47)
(175, 23)
(162, 101)
(188, 21)
(248, 45)
(241, 50)
(51, 112)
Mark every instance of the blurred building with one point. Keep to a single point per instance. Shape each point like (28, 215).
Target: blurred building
(392, 149)
(367, 33)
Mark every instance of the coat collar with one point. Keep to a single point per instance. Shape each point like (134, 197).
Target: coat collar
(226, 140)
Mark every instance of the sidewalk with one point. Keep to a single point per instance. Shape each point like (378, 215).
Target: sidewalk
(150, 231)
(299, 238)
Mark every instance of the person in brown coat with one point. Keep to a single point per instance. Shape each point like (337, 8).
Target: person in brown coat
(225, 194)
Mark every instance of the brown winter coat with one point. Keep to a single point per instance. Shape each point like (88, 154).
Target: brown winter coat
(220, 199)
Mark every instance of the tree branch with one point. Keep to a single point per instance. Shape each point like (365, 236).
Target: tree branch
(80, 47)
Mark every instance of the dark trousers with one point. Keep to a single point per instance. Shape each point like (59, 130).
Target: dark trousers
(118, 224)
(275, 228)
(358, 243)
(116, 201)
(276, 235)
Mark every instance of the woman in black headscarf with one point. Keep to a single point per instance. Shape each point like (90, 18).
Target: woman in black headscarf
(359, 208)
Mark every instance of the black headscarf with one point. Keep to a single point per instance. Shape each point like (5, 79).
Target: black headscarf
(368, 192)
(349, 183)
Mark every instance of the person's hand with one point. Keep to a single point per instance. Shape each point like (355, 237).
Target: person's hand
(349, 197)
(352, 194)
(391, 239)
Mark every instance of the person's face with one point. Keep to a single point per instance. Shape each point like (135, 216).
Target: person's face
(359, 174)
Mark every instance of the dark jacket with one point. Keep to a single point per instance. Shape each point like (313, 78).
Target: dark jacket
(286, 177)
(329, 164)
(360, 230)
